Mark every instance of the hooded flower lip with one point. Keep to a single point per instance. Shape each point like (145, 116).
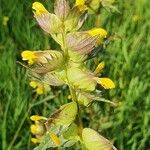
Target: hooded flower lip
(39, 8)
(37, 118)
(29, 56)
(105, 82)
(100, 32)
(81, 5)
(80, 2)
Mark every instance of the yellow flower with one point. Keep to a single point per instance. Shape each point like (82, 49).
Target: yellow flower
(91, 6)
(100, 67)
(38, 129)
(39, 8)
(37, 118)
(80, 2)
(5, 20)
(55, 139)
(40, 90)
(106, 83)
(29, 56)
(100, 32)
(35, 140)
(135, 18)
(81, 5)
(33, 84)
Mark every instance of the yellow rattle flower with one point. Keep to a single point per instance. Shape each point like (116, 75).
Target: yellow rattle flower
(39, 8)
(100, 32)
(29, 56)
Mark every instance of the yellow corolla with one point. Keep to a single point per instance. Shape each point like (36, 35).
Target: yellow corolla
(106, 83)
(99, 67)
(40, 88)
(37, 118)
(55, 138)
(92, 5)
(35, 140)
(81, 5)
(80, 2)
(38, 128)
(39, 8)
(29, 56)
(100, 32)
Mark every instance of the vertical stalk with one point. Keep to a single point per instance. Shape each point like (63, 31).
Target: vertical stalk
(72, 89)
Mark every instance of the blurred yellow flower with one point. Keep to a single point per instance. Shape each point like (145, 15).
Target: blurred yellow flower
(37, 118)
(33, 84)
(40, 88)
(135, 18)
(91, 6)
(5, 20)
(81, 5)
(29, 56)
(80, 2)
(39, 8)
(35, 140)
(38, 129)
(99, 67)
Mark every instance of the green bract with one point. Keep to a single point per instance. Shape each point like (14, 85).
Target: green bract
(63, 116)
(93, 141)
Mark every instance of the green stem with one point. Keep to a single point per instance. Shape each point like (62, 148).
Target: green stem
(72, 89)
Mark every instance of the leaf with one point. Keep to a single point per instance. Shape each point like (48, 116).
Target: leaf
(108, 5)
(54, 78)
(50, 23)
(81, 42)
(93, 6)
(71, 22)
(63, 116)
(50, 59)
(86, 98)
(72, 132)
(81, 79)
(94, 141)
(61, 9)
(45, 143)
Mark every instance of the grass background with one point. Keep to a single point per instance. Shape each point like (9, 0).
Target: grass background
(127, 63)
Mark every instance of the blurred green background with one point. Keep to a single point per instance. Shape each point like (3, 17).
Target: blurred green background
(127, 63)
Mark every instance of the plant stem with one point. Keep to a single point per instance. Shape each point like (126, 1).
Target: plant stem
(72, 89)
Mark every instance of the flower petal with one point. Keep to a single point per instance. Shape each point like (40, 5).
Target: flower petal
(106, 83)
(39, 8)
(100, 32)
(37, 118)
(99, 67)
(29, 56)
